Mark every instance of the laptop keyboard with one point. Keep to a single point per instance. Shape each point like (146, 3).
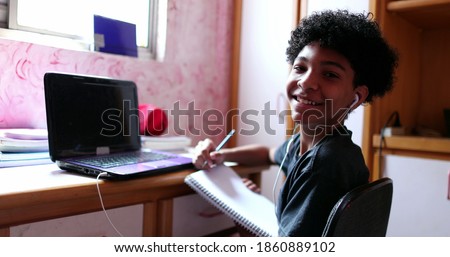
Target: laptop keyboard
(110, 161)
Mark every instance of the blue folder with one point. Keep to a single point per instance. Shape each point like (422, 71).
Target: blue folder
(115, 36)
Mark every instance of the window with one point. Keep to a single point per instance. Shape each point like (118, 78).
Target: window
(3, 13)
(73, 19)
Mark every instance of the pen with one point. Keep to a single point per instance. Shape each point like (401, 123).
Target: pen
(224, 141)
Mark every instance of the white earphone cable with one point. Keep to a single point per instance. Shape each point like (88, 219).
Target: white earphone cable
(282, 163)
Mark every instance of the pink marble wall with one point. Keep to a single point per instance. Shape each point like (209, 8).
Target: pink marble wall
(196, 69)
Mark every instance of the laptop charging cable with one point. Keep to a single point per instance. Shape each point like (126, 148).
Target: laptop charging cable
(103, 206)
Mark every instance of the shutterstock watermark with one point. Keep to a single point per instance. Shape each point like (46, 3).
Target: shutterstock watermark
(324, 120)
(211, 122)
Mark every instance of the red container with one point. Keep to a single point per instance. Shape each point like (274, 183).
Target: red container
(152, 120)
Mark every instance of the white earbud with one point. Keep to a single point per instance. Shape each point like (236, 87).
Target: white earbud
(354, 101)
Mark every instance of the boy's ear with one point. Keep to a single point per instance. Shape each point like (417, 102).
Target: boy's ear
(362, 92)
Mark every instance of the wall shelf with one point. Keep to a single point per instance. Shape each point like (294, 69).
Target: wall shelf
(426, 14)
(414, 5)
(426, 146)
(420, 31)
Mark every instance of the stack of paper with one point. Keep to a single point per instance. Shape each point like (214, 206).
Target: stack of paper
(23, 159)
(23, 140)
(20, 147)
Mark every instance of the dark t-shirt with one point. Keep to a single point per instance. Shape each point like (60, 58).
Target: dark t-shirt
(316, 180)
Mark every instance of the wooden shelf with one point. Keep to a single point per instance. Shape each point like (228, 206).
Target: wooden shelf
(415, 145)
(412, 5)
(420, 31)
(426, 14)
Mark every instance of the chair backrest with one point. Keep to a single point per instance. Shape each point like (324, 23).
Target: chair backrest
(362, 212)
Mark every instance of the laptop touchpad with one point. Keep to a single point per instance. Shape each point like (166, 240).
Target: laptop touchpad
(158, 164)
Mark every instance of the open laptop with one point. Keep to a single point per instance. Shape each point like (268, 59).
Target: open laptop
(93, 128)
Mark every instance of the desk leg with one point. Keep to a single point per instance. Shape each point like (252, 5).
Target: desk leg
(158, 218)
(4, 232)
(150, 219)
(165, 217)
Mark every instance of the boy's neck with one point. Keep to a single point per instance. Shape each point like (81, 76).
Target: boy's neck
(311, 137)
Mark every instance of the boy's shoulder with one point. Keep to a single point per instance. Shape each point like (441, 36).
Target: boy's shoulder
(338, 147)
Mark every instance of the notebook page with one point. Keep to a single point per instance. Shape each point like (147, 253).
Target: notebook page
(223, 187)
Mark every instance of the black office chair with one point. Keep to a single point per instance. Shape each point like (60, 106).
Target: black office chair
(362, 212)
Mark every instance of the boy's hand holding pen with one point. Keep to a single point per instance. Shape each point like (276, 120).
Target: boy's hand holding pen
(204, 157)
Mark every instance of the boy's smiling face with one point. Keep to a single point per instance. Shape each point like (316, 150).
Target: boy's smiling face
(320, 87)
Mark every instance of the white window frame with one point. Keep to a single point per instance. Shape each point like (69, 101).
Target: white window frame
(154, 50)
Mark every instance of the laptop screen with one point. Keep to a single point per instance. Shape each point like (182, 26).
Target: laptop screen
(88, 115)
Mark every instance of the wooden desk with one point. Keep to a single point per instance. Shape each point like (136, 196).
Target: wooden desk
(37, 193)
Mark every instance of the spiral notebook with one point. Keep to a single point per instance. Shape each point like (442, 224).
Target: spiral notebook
(223, 187)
